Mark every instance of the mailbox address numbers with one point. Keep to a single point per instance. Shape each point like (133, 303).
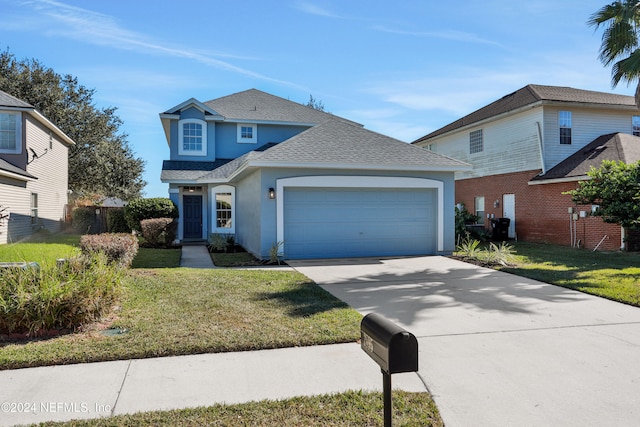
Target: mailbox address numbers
(367, 343)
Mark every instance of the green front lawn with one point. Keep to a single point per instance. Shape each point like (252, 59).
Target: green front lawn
(349, 409)
(185, 311)
(612, 275)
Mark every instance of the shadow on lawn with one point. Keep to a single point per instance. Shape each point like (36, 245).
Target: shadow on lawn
(306, 299)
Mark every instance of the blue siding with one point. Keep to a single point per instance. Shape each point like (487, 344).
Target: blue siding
(227, 137)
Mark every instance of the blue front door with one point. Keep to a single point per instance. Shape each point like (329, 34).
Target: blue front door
(192, 217)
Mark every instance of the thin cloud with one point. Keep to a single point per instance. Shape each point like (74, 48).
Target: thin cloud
(100, 29)
(313, 9)
(453, 35)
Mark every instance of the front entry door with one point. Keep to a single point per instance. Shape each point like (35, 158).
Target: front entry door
(192, 217)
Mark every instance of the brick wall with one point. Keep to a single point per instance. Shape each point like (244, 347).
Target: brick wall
(541, 210)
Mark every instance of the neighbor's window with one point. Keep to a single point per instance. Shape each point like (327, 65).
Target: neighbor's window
(479, 203)
(10, 133)
(564, 120)
(635, 125)
(34, 208)
(224, 210)
(247, 133)
(193, 138)
(476, 144)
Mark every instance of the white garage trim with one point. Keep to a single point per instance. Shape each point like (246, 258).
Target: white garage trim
(336, 181)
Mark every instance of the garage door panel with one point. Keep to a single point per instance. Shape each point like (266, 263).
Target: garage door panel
(358, 222)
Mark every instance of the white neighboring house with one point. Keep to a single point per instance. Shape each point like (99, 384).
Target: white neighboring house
(33, 170)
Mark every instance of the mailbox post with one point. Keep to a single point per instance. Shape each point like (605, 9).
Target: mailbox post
(391, 347)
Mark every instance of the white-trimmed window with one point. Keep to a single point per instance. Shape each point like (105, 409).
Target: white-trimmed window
(34, 208)
(479, 205)
(224, 199)
(564, 121)
(476, 141)
(192, 137)
(10, 133)
(635, 125)
(247, 133)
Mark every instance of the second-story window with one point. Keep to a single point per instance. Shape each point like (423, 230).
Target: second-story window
(635, 125)
(10, 133)
(247, 133)
(193, 138)
(476, 142)
(564, 120)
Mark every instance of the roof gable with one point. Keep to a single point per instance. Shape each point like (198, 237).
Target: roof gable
(531, 95)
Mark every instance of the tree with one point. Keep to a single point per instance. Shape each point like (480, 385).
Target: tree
(615, 187)
(101, 162)
(620, 41)
(315, 104)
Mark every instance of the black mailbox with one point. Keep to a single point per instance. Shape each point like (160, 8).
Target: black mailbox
(392, 347)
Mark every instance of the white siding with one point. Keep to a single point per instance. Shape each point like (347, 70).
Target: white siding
(510, 145)
(51, 169)
(587, 125)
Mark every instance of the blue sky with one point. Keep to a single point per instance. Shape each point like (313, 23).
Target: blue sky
(402, 68)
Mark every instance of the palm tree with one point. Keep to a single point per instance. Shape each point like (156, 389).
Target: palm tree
(620, 43)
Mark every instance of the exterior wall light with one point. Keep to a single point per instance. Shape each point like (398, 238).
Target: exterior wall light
(272, 193)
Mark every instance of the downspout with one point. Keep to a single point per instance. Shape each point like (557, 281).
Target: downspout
(541, 147)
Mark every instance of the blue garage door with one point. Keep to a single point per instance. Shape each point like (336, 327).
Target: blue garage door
(338, 223)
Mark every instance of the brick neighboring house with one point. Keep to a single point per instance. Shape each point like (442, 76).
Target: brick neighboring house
(33, 170)
(532, 145)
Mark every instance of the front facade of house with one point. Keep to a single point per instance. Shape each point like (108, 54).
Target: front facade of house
(277, 174)
(33, 170)
(520, 147)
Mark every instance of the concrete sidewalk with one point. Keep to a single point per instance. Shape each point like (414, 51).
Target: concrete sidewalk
(195, 256)
(92, 390)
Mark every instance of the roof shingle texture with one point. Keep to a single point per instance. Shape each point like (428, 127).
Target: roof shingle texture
(614, 146)
(532, 94)
(255, 105)
(7, 100)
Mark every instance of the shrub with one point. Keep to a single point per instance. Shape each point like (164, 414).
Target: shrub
(82, 219)
(34, 301)
(140, 209)
(159, 232)
(119, 248)
(116, 222)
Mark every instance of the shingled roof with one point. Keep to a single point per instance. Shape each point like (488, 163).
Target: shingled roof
(614, 146)
(255, 105)
(530, 95)
(7, 100)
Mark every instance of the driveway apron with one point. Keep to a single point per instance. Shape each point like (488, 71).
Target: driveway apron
(497, 349)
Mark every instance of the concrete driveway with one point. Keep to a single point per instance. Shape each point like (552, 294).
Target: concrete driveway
(498, 349)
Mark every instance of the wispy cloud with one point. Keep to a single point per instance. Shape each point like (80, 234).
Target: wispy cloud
(313, 9)
(99, 29)
(453, 35)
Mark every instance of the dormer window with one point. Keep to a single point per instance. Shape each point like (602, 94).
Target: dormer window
(247, 133)
(10, 133)
(193, 137)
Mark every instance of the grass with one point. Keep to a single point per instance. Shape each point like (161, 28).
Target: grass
(234, 259)
(157, 258)
(186, 311)
(43, 248)
(612, 275)
(353, 408)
